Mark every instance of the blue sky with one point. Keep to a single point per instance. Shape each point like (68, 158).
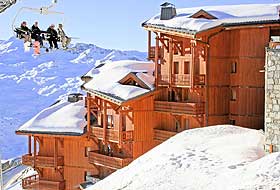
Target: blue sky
(109, 24)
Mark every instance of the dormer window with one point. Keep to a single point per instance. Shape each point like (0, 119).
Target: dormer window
(203, 14)
(133, 80)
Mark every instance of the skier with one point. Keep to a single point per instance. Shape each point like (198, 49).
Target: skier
(65, 40)
(25, 32)
(52, 37)
(36, 33)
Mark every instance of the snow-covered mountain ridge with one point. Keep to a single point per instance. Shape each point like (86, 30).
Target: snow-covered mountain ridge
(31, 83)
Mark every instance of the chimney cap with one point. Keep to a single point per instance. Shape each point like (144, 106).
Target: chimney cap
(167, 4)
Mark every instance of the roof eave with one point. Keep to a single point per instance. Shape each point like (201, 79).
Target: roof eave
(169, 30)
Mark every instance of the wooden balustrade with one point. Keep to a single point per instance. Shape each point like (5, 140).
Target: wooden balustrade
(199, 79)
(112, 135)
(33, 182)
(163, 135)
(152, 52)
(42, 161)
(108, 161)
(179, 107)
(181, 79)
(29, 181)
(163, 79)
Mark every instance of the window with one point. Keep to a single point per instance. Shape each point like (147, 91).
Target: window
(87, 150)
(232, 122)
(233, 94)
(110, 121)
(177, 125)
(176, 67)
(186, 67)
(233, 67)
(88, 176)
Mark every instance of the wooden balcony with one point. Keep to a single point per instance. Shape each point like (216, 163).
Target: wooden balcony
(163, 135)
(112, 135)
(181, 80)
(33, 183)
(42, 161)
(108, 161)
(179, 107)
(152, 53)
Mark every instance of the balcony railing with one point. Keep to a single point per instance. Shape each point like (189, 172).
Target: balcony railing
(152, 52)
(163, 135)
(163, 79)
(108, 161)
(181, 80)
(33, 183)
(179, 107)
(29, 181)
(42, 161)
(112, 135)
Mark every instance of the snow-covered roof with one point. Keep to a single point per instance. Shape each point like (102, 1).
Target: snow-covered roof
(105, 79)
(226, 15)
(221, 157)
(62, 118)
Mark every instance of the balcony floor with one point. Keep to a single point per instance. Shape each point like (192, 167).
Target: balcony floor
(38, 186)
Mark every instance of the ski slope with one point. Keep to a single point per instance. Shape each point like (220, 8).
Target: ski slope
(30, 83)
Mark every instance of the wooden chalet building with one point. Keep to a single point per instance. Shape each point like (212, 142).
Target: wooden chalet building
(206, 68)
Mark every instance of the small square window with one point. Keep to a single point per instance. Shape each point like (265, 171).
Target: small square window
(233, 67)
(233, 94)
(186, 67)
(232, 122)
(176, 67)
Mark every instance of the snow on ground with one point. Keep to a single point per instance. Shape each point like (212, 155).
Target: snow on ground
(52, 119)
(226, 14)
(218, 157)
(29, 84)
(17, 179)
(106, 78)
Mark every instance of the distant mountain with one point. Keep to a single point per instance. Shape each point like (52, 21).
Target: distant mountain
(30, 83)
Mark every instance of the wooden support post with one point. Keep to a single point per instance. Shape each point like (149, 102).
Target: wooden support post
(270, 148)
(192, 65)
(120, 129)
(170, 60)
(88, 115)
(156, 61)
(35, 151)
(104, 120)
(149, 44)
(55, 152)
(29, 145)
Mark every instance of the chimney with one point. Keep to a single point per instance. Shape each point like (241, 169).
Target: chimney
(168, 11)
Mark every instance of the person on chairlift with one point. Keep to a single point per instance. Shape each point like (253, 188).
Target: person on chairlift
(36, 33)
(52, 37)
(25, 32)
(65, 40)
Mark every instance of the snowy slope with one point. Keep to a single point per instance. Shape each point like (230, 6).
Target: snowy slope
(30, 84)
(213, 158)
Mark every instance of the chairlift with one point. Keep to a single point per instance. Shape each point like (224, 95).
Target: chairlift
(47, 10)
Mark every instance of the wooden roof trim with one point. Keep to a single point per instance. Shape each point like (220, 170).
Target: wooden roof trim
(204, 14)
(138, 98)
(49, 134)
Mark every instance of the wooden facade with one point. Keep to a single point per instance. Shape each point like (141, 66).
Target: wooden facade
(214, 76)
